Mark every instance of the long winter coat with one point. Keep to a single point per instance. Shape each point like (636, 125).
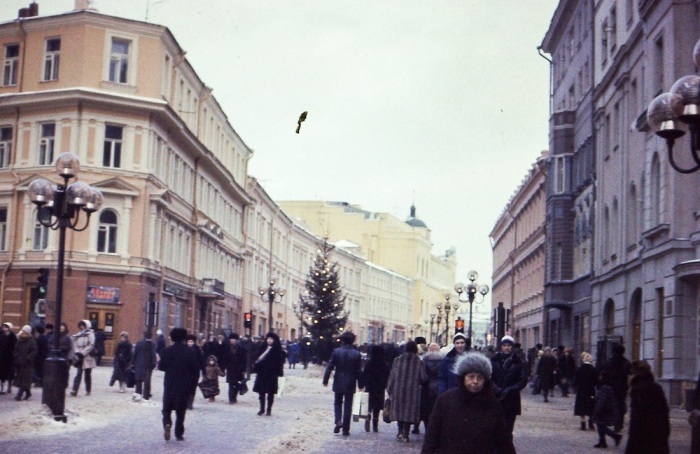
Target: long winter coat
(181, 374)
(546, 366)
(24, 354)
(122, 360)
(649, 416)
(84, 344)
(347, 362)
(268, 370)
(375, 377)
(465, 422)
(430, 391)
(509, 377)
(235, 363)
(7, 348)
(404, 387)
(144, 358)
(585, 381)
(606, 409)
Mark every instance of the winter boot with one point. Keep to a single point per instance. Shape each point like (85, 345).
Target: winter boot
(270, 400)
(583, 425)
(591, 425)
(375, 425)
(406, 430)
(262, 405)
(27, 393)
(18, 397)
(122, 387)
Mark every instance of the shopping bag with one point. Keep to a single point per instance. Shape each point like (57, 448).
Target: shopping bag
(386, 412)
(243, 387)
(280, 386)
(360, 406)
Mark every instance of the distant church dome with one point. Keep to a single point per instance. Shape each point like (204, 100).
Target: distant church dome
(413, 221)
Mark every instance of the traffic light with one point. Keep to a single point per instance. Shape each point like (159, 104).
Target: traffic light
(43, 281)
(248, 320)
(459, 325)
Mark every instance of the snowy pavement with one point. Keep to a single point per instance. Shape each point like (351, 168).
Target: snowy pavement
(301, 422)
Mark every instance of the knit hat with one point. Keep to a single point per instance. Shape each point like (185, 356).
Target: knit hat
(459, 336)
(9, 325)
(420, 340)
(473, 362)
(507, 339)
(124, 333)
(234, 336)
(26, 329)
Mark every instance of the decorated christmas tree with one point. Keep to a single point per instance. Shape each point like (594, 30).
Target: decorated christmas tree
(324, 303)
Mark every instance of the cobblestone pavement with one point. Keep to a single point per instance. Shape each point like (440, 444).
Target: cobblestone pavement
(301, 422)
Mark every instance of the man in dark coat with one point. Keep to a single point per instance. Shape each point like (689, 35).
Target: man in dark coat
(144, 361)
(447, 377)
(650, 425)
(566, 369)
(619, 368)
(181, 374)
(235, 365)
(347, 363)
(509, 377)
(8, 339)
(42, 351)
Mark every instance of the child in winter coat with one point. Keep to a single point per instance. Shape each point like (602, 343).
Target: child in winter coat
(605, 411)
(210, 384)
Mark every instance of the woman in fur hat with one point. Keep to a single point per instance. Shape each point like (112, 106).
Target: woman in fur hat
(469, 418)
(585, 381)
(8, 339)
(24, 354)
(649, 413)
(268, 368)
(404, 387)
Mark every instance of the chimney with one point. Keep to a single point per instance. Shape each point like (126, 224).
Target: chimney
(33, 9)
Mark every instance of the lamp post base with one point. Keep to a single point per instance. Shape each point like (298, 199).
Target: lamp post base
(54, 385)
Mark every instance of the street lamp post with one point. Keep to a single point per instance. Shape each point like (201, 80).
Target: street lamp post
(682, 103)
(445, 307)
(59, 207)
(471, 290)
(438, 319)
(271, 294)
(432, 323)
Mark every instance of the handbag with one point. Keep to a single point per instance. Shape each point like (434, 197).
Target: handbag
(386, 413)
(242, 387)
(130, 377)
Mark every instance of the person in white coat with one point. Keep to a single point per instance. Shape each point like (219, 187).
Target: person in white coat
(83, 345)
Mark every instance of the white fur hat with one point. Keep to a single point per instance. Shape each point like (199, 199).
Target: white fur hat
(472, 362)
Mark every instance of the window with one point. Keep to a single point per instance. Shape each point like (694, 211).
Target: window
(107, 232)
(46, 143)
(52, 58)
(11, 65)
(612, 30)
(5, 145)
(3, 229)
(119, 61)
(658, 66)
(41, 237)
(560, 175)
(604, 43)
(629, 10)
(112, 152)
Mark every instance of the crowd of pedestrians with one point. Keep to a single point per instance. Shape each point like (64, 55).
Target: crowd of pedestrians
(467, 400)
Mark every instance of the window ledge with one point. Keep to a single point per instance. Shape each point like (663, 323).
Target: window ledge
(123, 88)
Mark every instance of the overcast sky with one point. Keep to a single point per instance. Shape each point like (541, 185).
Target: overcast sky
(442, 103)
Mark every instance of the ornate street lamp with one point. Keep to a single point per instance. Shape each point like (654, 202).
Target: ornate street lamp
(447, 308)
(432, 322)
(271, 294)
(438, 319)
(59, 208)
(470, 291)
(669, 113)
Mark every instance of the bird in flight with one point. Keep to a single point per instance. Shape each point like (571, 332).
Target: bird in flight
(302, 117)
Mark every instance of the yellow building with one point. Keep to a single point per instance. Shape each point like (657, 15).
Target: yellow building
(403, 247)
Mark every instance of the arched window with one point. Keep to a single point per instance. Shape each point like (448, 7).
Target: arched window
(615, 228)
(609, 317)
(107, 232)
(605, 247)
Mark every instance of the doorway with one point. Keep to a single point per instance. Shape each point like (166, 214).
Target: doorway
(105, 319)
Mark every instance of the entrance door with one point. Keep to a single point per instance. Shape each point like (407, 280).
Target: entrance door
(105, 319)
